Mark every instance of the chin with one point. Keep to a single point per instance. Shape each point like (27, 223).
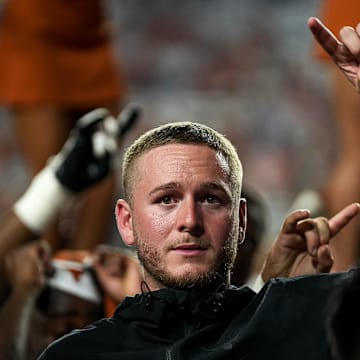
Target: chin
(190, 271)
(194, 278)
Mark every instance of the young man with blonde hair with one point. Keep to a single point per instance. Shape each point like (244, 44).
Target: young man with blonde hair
(183, 211)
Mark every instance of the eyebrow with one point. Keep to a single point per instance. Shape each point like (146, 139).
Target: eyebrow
(205, 186)
(168, 186)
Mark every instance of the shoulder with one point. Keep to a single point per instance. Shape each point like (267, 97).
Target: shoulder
(86, 343)
(317, 281)
(316, 284)
(302, 291)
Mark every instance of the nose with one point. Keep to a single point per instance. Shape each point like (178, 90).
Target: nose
(190, 217)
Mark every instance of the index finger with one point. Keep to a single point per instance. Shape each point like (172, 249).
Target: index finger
(128, 118)
(89, 121)
(324, 36)
(343, 217)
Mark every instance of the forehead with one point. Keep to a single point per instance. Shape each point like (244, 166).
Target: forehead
(182, 161)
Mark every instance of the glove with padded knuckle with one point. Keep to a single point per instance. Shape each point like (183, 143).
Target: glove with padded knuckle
(85, 159)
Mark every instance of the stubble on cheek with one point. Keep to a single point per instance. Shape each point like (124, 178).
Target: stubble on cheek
(149, 257)
(155, 265)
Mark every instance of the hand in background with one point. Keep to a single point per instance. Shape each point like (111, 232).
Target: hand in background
(27, 266)
(119, 274)
(344, 52)
(302, 246)
(87, 156)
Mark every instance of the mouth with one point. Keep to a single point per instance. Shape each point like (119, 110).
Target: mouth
(189, 249)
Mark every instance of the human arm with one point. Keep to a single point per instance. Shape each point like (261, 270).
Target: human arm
(25, 268)
(85, 159)
(291, 255)
(341, 185)
(302, 246)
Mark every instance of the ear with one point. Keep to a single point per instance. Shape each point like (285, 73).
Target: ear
(242, 220)
(124, 222)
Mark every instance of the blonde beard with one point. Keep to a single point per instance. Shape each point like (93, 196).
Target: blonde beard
(150, 259)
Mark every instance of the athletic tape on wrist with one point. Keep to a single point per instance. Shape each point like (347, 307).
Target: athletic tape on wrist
(41, 201)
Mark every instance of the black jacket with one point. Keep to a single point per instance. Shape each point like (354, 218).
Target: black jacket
(285, 320)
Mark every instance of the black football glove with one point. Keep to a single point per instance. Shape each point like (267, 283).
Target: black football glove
(87, 156)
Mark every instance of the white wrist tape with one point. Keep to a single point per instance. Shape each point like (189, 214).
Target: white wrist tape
(41, 201)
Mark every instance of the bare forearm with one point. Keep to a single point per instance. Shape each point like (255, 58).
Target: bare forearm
(14, 325)
(12, 234)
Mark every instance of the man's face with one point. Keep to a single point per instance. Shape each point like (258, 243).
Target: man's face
(182, 216)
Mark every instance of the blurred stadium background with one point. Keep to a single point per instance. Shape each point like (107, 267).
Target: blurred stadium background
(244, 67)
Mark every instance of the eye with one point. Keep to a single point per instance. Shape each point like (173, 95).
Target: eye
(166, 200)
(212, 199)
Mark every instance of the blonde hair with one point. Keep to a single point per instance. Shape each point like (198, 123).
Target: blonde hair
(181, 133)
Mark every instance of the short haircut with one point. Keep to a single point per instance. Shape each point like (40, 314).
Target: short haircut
(181, 133)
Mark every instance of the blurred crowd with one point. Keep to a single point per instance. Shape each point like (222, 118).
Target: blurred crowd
(186, 72)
